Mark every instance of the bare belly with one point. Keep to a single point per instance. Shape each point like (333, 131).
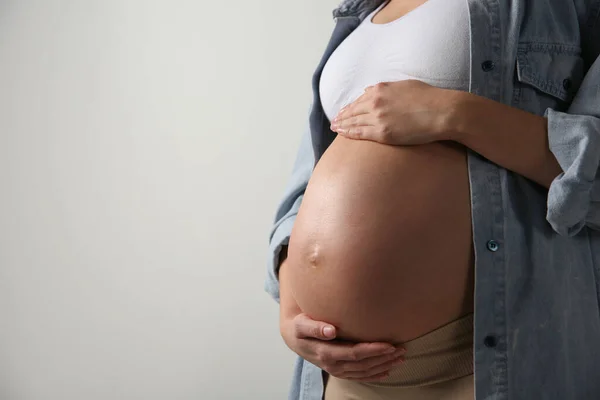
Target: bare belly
(382, 244)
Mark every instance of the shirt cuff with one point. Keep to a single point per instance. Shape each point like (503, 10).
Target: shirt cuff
(574, 195)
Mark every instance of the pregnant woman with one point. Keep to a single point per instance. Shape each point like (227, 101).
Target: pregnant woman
(439, 236)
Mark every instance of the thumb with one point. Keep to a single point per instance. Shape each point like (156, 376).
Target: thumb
(307, 328)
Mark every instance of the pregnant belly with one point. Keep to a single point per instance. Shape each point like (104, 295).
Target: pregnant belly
(382, 244)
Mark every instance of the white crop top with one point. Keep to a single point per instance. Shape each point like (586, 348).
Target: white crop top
(430, 43)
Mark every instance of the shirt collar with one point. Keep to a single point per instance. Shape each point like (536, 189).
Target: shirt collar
(356, 8)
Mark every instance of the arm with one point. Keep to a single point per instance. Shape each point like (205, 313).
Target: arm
(515, 139)
(560, 151)
(568, 139)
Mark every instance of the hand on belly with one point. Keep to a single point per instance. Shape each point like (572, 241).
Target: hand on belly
(381, 247)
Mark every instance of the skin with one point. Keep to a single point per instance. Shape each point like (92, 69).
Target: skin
(413, 113)
(368, 269)
(315, 342)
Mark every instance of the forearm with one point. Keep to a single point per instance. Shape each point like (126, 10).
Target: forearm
(510, 137)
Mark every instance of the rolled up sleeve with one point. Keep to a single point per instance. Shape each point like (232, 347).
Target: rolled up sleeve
(574, 139)
(287, 211)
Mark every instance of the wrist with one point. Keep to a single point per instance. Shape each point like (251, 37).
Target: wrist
(455, 122)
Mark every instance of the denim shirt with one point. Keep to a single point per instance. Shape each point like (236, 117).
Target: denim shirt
(537, 251)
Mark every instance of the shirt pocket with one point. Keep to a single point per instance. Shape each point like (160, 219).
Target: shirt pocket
(547, 76)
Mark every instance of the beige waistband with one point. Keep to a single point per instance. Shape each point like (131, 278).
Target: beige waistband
(441, 355)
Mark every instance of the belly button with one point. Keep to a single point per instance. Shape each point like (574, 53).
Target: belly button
(313, 257)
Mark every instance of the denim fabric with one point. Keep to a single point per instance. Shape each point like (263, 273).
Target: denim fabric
(537, 251)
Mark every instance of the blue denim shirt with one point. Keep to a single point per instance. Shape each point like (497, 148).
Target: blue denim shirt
(537, 251)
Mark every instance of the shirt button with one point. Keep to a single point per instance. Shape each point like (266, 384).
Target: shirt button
(567, 84)
(489, 341)
(488, 65)
(492, 245)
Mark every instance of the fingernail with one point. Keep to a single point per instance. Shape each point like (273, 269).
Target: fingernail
(328, 331)
(401, 350)
(398, 361)
(390, 350)
(334, 126)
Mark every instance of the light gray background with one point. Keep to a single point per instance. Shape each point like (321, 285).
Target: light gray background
(144, 146)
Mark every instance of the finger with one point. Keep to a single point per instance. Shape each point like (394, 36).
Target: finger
(364, 132)
(371, 363)
(352, 122)
(374, 371)
(339, 352)
(307, 328)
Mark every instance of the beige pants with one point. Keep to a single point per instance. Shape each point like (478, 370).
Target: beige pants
(438, 366)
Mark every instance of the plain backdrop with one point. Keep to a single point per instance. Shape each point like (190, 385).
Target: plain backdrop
(144, 146)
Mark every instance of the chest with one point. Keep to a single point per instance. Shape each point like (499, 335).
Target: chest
(422, 44)
(526, 53)
(536, 45)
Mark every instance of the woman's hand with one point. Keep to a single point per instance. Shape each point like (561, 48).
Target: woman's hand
(315, 341)
(408, 112)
